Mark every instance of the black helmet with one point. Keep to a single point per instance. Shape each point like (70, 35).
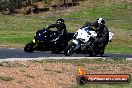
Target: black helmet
(60, 21)
(101, 21)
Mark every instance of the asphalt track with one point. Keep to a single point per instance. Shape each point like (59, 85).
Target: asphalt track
(11, 54)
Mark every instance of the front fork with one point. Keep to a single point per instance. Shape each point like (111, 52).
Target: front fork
(36, 44)
(34, 41)
(77, 44)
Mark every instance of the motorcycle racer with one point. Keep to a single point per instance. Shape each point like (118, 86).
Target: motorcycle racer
(102, 32)
(61, 34)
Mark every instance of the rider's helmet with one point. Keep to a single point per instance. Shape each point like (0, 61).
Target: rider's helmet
(59, 23)
(101, 22)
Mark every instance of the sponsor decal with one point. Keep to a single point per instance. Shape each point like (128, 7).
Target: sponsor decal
(83, 78)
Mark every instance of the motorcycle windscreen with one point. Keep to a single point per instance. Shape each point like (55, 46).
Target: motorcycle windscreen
(110, 35)
(42, 35)
(83, 35)
(86, 29)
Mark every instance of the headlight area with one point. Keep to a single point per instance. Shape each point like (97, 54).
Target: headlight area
(75, 35)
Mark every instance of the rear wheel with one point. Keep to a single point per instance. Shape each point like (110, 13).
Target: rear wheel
(29, 47)
(92, 54)
(101, 52)
(69, 49)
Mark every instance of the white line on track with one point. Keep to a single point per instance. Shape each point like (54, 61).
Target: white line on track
(11, 48)
(56, 58)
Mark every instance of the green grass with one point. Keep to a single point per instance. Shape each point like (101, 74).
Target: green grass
(14, 23)
(103, 10)
(16, 38)
(116, 15)
(18, 30)
(120, 48)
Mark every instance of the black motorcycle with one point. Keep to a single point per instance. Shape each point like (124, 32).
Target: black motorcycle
(43, 41)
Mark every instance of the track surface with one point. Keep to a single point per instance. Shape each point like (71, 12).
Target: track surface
(10, 54)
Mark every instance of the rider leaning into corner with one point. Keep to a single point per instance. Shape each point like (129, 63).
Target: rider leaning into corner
(102, 31)
(61, 34)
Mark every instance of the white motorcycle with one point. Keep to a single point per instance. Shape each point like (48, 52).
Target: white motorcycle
(83, 41)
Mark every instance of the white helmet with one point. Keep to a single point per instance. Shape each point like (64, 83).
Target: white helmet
(101, 21)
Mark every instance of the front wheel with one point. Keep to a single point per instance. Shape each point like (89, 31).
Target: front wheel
(29, 47)
(92, 52)
(69, 49)
(101, 52)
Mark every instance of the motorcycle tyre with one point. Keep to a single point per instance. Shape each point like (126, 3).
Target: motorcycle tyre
(29, 47)
(92, 54)
(101, 53)
(70, 49)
